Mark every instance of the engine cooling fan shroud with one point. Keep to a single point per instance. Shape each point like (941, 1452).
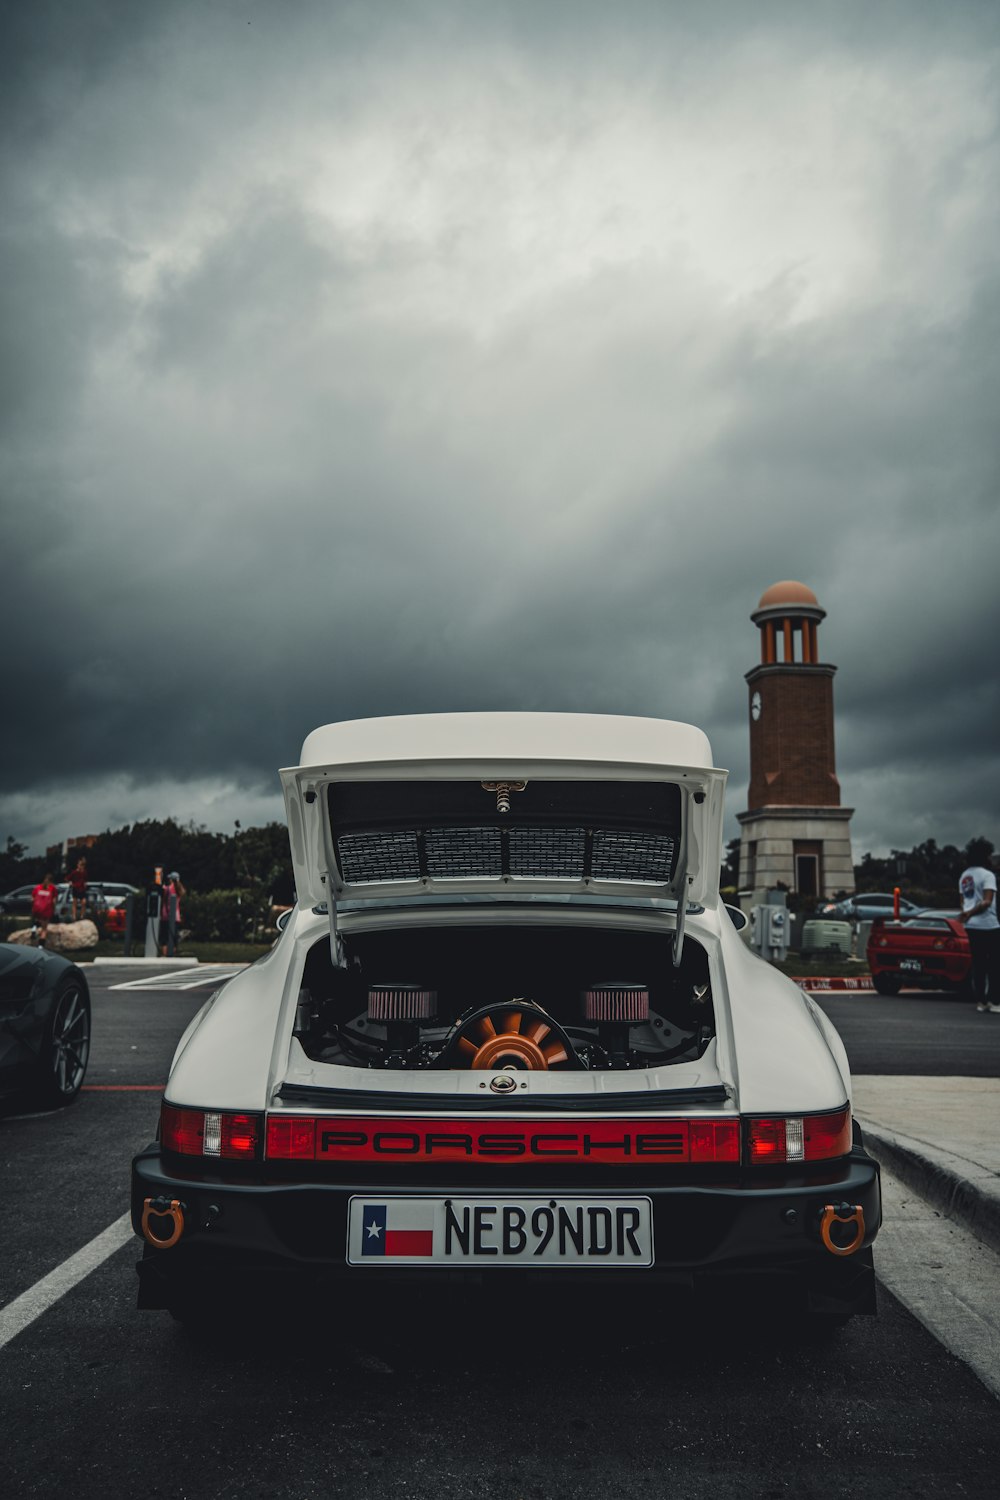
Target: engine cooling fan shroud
(514, 1034)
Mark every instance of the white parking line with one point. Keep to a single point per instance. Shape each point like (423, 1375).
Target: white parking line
(182, 979)
(39, 1298)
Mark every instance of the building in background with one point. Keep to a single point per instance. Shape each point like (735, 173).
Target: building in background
(64, 856)
(794, 832)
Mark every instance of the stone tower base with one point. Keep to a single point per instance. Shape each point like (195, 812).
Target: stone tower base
(792, 846)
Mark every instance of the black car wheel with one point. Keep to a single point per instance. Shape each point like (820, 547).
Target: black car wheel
(886, 984)
(63, 1062)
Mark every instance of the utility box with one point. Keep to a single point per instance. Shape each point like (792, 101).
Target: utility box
(819, 936)
(769, 928)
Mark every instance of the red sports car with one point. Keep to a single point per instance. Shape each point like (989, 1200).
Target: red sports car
(930, 951)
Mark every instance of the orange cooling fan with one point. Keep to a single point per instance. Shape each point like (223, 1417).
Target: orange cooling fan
(518, 1036)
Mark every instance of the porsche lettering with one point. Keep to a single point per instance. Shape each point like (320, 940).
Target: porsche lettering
(373, 1140)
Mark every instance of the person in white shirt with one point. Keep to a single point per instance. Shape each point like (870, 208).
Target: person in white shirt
(977, 887)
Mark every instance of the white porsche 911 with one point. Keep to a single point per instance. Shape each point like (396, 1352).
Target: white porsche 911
(509, 1030)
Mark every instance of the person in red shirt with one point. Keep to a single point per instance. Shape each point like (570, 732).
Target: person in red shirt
(78, 885)
(43, 908)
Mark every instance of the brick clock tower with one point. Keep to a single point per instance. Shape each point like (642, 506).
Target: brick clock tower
(795, 831)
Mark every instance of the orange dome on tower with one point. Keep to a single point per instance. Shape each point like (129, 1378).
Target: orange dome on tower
(788, 611)
(787, 592)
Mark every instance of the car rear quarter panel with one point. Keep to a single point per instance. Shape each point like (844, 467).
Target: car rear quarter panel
(788, 1056)
(227, 1058)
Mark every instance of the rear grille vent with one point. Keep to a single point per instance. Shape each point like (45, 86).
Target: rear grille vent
(463, 853)
(488, 853)
(556, 852)
(620, 855)
(378, 856)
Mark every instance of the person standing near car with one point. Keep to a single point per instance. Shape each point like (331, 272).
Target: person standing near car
(170, 914)
(78, 887)
(43, 908)
(978, 889)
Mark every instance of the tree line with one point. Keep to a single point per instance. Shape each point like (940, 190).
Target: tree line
(927, 873)
(248, 858)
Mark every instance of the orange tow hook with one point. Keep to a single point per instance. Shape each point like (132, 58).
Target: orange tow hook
(842, 1213)
(162, 1208)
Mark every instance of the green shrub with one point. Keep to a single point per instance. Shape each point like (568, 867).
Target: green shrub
(221, 916)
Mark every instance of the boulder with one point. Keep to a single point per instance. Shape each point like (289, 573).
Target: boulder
(71, 937)
(64, 937)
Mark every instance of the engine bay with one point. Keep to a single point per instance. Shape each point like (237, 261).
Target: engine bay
(506, 998)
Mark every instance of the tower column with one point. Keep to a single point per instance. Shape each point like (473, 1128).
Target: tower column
(794, 833)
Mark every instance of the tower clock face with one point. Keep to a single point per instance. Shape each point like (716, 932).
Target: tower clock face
(755, 706)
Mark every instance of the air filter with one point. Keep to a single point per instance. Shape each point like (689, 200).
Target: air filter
(616, 1002)
(401, 1002)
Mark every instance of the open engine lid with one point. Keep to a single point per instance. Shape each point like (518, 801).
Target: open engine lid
(508, 803)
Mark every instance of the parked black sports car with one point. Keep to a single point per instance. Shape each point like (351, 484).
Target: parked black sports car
(44, 1025)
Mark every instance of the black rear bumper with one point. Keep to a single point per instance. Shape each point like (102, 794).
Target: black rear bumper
(263, 1228)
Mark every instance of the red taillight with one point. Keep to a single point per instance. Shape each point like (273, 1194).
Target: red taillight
(827, 1135)
(211, 1133)
(767, 1141)
(795, 1138)
(239, 1136)
(182, 1130)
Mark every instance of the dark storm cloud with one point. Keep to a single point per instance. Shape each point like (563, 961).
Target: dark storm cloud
(454, 357)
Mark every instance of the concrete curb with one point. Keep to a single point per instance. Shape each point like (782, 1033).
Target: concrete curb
(959, 1188)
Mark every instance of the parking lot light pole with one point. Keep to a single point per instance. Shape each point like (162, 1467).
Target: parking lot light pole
(129, 913)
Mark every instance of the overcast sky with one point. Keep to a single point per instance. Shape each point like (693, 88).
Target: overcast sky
(364, 358)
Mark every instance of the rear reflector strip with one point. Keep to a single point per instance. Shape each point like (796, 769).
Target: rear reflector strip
(770, 1140)
(329, 1138)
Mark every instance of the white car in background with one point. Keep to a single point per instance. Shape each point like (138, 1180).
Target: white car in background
(102, 896)
(508, 1028)
(867, 906)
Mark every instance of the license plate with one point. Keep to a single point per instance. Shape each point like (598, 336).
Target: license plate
(500, 1231)
(911, 965)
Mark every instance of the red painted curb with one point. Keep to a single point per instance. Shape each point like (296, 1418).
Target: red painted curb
(838, 983)
(122, 1088)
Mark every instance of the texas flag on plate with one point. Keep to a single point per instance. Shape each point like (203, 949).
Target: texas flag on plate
(397, 1228)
